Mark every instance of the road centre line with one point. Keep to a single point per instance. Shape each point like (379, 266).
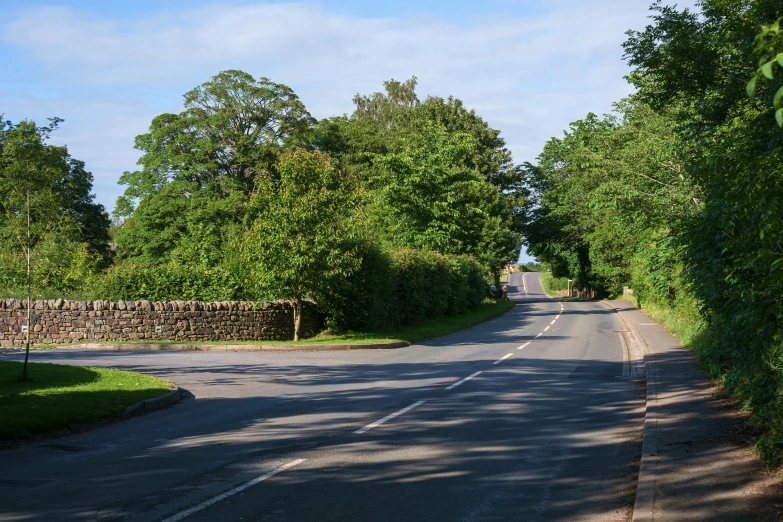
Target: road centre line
(389, 417)
(557, 317)
(503, 358)
(539, 335)
(553, 322)
(521, 347)
(231, 492)
(466, 379)
(548, 327)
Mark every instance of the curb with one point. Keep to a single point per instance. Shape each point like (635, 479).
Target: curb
(155, 403)
(175, 347)
(643, 508)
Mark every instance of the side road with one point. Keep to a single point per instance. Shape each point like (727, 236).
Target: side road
(695, 463)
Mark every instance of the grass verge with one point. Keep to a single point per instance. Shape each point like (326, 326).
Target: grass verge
(60, 397)
(684, 326)
(411, 333)
(553, 284)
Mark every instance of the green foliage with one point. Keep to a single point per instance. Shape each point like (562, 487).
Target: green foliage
(426, 196)
(680, 198)
(398, 213)
(438, 176)
(305, 235)
(552, 285)
(768, 46)
(199, 166)
(67, 233)
(129, 281)
(603, 190)
(405, 286)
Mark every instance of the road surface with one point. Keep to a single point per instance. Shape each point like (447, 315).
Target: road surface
(525, 417)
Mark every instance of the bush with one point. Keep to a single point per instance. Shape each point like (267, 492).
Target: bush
(398, 287)
(553, 284)
(131, 281)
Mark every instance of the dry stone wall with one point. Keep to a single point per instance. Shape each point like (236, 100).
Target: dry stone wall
(59, 321)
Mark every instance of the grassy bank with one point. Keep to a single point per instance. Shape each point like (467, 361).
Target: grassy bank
(58, 397)
(553, 284)
(684, 323)
(412, 333)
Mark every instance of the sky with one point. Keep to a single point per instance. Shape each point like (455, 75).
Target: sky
(107, 68)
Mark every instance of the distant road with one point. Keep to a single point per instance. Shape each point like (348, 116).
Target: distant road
(521, 418)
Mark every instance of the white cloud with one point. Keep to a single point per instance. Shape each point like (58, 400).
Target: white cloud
(527, 76)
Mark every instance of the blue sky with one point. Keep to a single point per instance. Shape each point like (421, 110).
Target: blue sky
(108, 67)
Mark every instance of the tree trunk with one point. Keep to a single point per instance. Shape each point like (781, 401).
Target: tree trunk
(297, 317)
(29, 301)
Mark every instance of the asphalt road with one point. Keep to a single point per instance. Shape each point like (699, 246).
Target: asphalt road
(544, 428)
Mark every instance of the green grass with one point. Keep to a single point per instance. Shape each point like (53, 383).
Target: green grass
(553, 284)
(504, 278)
(60, 397)
(685, 324)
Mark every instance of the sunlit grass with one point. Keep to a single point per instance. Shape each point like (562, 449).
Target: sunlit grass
(58, 396)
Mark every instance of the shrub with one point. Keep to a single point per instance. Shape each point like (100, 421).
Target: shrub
(132, 281)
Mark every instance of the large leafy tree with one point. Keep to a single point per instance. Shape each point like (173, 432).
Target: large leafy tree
(603, 190)
(429, 195)
(231, 132)
(305, 237)
(440, 176)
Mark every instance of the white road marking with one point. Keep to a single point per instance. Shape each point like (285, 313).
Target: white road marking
(539, 335)
(558, 317)
(503, 358)
(521, 347)
(524, 283)
(548, 327)
(553, 321)
(466, 379)
(238, 489)
(389, 417)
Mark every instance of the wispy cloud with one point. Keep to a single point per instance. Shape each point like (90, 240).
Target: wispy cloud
(529, 76)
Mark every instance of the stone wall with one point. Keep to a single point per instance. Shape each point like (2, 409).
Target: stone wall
(59, 321)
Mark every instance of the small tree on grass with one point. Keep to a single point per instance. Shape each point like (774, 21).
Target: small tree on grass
(29, 169)
(304, 239)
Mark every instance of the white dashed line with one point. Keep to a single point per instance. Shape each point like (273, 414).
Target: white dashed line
(389, 417)
(238, 489)
(548, 327)
(558, 317)
(539, 335)
(553, 322)
(503, 358)
(523, 346)
(466, 379)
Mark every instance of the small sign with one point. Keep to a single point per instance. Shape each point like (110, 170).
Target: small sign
(24, 328)
(158, 329)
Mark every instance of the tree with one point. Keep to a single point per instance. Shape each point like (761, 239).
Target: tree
(304, 237)
(230, 134)
(29, 171)
(429, 196)
(768, 46)
(386, 109)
